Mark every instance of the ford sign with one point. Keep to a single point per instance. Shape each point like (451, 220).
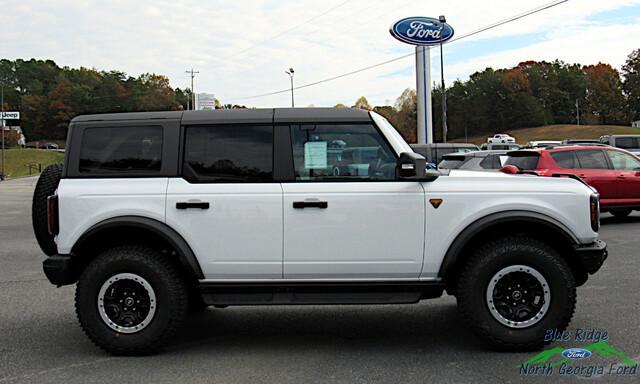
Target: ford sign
(576, 353)
(421, 31)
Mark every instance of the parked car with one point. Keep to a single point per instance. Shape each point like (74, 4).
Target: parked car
(156, 212)
(629, 142)
(49, 146)
(581, 141)
(434, 152)
(613, 172)
(474, 161)
(542, 143)
(501, 138)
(503, 147)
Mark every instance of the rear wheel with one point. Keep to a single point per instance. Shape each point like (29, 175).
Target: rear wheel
(621, 212)
(513, 290)
(130, 299)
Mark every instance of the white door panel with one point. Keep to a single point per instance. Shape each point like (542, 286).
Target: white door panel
(369, 230)
(239, 236)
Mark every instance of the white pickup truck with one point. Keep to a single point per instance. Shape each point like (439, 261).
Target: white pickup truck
(501, 138)
(156, 213)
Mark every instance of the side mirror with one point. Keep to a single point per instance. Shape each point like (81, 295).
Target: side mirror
(412, 166)
(510, 169)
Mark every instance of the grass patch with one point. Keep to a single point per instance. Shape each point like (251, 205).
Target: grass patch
(559, 132)
(17, 160)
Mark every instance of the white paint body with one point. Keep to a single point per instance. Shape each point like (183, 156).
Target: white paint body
(370, 230)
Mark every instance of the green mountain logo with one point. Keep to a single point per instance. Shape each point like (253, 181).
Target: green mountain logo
(554, 357)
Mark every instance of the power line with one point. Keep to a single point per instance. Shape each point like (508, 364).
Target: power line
(485, 28)
(286, 30)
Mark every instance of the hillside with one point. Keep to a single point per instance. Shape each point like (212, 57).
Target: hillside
(18, 160)
(558, 132)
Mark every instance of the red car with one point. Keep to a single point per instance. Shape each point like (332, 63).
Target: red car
(614, 172)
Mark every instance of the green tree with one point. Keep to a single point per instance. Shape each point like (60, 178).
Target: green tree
(631, 84)
(362, 103)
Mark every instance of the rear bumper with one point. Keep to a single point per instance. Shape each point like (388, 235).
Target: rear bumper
(593, 255)
(60, 270)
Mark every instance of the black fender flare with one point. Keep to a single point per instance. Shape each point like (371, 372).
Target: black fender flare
(454, 250)
(183, 250)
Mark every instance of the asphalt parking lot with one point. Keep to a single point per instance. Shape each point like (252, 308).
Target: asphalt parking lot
(41, 342)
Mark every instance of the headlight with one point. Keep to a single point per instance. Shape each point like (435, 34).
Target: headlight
(594, 211)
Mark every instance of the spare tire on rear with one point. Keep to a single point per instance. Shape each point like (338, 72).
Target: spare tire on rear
(46, 186)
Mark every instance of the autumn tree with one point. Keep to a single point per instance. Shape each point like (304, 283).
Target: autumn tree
(604, 99)
(362, 103)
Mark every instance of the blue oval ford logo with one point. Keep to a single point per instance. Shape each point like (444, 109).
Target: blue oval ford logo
(421, 31)
(576, 353)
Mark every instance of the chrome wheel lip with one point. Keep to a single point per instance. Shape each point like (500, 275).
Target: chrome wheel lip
(147, 287)
(546, 296)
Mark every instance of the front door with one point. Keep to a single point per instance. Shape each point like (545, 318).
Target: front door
(345, 215)
(627, 169)
(226, 205)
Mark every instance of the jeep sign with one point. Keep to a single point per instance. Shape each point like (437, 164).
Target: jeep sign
(421, 31)
(10, 115)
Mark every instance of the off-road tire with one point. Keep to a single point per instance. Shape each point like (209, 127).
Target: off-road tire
(45, 187)
(170, 291)
(621, 212)
(494, 256)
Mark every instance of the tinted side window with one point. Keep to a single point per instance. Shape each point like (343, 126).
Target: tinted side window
(525, 163)
(121, 149)
(627, 142)
(229, 153)
(330, 152)
(564, 159)
(592, 159)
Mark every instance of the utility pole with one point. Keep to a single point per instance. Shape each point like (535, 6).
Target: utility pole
(444, 90)
(2, 124)
(290, 72)
(193, 94)
(577, 112)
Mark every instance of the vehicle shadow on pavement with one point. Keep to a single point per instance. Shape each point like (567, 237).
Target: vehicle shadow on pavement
(408, 328)
(620, 220)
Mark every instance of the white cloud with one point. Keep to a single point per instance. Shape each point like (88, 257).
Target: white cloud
(168, 37)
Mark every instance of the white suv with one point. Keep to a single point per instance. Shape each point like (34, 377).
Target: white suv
(156, 213)
(501, 138)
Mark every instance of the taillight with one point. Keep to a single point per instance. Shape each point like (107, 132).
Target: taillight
(52, 214)
(594, 211)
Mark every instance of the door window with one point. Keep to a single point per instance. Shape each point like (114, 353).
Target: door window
(623, 161)
(341, 152)
(592, 159)
(232, 153)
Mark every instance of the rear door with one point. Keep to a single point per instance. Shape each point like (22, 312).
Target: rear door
(226, 205)
(346, 216)
(593, 167)
(627, 170)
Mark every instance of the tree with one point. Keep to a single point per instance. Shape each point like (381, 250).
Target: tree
(631, 84)
(604, 99)
(362, 103)
(339, 105)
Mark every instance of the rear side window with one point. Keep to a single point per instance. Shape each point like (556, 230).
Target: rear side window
(627, 142)
(452, 163)
(564, 159)
(525, 163)
(228, 153)
(491, 162)
(121, 149)
(592, 159)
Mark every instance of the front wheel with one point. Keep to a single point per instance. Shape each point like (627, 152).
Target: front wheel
(130, 299)
(513, 290)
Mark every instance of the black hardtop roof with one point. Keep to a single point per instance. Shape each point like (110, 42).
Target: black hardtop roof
(244, 115)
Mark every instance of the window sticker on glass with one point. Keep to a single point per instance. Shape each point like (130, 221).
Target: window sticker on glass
(315, 154)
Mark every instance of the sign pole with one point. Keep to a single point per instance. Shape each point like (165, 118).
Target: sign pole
(2, 126)
(423, 94)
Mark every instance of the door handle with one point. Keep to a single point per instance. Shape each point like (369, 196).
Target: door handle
(192, 204)
(310, 204)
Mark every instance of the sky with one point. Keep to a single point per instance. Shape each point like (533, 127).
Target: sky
(242, 48)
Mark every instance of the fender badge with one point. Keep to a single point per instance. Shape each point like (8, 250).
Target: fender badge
(435, 202)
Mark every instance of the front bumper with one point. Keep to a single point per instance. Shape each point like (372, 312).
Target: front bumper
(592, 256)
(60, 270)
